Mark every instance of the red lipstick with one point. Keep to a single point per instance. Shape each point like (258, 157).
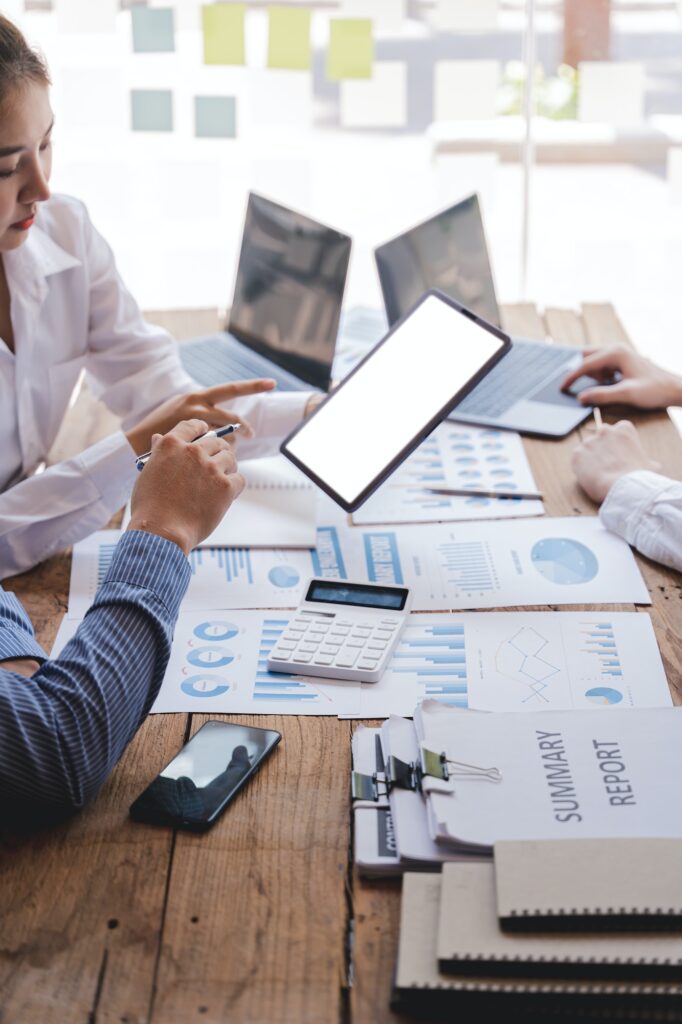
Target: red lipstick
(24, 225)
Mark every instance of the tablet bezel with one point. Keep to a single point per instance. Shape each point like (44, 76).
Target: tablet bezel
(422, 434)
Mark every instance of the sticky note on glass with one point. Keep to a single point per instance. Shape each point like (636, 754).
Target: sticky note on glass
(465, 89)
(215, 117)
(351, 48)
(153, 30)
(152, 110)
(465, 15)
(611, 91)
(223, 28)
(379, 102)
(289, 38)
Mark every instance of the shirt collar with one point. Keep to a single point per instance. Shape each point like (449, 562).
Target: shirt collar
(29, 266)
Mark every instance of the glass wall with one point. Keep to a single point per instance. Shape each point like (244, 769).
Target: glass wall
(372, 115)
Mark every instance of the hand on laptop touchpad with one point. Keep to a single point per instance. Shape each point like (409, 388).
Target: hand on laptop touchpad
(553, 395)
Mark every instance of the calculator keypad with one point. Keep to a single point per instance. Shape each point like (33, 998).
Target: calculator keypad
(361, 646)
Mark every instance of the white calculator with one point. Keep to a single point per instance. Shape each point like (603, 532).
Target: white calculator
(342, 630)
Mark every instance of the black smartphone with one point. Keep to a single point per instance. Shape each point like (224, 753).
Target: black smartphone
(195, 788)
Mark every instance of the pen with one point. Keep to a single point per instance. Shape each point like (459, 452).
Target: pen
(142, 460)
(455, 492)
(598, 421)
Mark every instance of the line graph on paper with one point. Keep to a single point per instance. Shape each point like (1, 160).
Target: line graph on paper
(525, 659)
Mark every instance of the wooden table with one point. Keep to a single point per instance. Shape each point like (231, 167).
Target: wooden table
(263, 920)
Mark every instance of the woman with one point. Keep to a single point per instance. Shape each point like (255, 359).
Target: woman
(64, 309)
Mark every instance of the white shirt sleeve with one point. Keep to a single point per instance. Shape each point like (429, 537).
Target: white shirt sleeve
(272, 417)
(646, 510)
(49, 512)
(55, 509)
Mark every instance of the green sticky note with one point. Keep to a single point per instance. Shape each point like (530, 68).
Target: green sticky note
(215, 117)
(223, 26)
(152, 110)
(351, 48)
(152, 29)
(289, 39)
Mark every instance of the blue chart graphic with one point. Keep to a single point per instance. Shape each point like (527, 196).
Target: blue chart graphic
(283, 576)
(436, 657)
(326, 557)
(216, 630)
(382, 558)
(205, 686)
(561, 560)
(466, 566)
(519, 658)
(106, 553)
(599, 641)
(210, 657)
(278, 686)
(604, 695)
(234, 562)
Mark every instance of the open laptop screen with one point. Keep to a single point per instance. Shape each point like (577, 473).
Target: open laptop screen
(447, 252)
(289, 289)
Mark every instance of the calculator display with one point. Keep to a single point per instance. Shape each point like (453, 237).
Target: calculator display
(355, 594)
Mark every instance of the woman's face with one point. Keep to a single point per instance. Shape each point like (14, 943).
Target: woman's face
(25, 160)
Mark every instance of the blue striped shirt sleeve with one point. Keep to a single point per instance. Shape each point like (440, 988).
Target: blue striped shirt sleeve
(63, 730)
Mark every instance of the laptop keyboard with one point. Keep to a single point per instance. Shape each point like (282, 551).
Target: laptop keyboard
(220, 358)
(522, 370)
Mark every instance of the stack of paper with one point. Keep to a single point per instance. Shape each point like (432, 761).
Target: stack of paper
(503, 776)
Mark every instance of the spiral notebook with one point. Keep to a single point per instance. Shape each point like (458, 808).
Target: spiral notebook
(421, 988)
(470, 939)
(276, 509)
(589, 884)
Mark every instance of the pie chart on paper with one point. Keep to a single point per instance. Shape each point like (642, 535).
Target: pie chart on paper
(604, 695)
(565, 561)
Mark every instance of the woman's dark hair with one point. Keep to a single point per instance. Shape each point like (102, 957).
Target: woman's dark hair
(18, 61)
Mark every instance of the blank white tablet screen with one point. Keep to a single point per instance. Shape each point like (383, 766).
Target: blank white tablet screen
(379, 410)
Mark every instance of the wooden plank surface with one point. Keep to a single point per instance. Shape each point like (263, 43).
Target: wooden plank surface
(106, 921)
(256, 916)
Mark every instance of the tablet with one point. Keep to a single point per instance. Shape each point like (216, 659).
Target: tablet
(393, 399)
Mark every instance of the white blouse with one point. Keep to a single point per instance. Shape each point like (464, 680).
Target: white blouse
(70, 312)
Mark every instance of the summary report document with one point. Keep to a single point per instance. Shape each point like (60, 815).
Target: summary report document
(563, 775)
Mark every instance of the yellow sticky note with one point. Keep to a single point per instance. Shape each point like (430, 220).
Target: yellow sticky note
(223, 27)
(351, 48)
(289, 38)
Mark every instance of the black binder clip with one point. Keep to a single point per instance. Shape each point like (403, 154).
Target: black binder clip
(439, 766)
(366, 787)
(409, 775)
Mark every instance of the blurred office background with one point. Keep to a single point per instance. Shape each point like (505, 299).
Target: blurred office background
(564, 115)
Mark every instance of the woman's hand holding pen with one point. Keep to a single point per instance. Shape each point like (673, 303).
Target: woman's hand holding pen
(201, 405)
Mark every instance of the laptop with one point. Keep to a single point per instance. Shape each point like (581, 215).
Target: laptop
(285, 313)
(449, 252)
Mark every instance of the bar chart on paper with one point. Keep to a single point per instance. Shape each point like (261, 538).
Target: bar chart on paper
(462, 458)
(430, 662)
(218, 664)
(531, 561)
(228, 577)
